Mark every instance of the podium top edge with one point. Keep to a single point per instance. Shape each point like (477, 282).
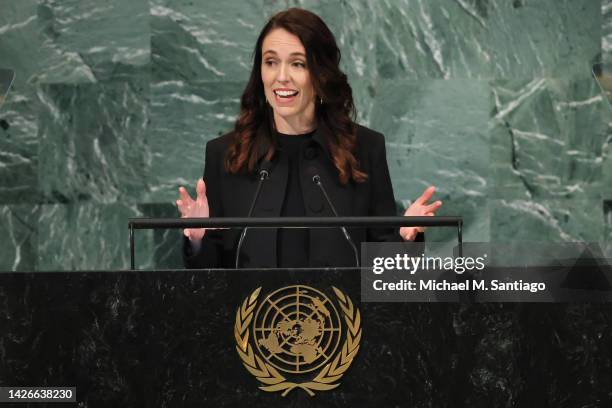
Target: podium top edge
(285, 222)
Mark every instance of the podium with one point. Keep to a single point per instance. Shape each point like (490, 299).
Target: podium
(173, 338)
(166, 338)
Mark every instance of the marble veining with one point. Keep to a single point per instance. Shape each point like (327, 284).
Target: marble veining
(492, 101)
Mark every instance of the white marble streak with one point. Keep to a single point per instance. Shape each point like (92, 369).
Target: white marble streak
(535, 136)
(434, 43)
(540, 212)
(70, 64)
(523, 94)
(606, 38)
(578, 104)
(14, 242)
(9, 27)
(68, 15)
(469, 8)
(202, 60)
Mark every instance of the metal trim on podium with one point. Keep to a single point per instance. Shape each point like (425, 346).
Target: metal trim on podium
(290, 222)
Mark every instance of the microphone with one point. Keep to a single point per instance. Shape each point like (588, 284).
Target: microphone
(264, 174)
(317, 180)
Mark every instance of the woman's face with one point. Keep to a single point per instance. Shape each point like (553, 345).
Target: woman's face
(286, 78)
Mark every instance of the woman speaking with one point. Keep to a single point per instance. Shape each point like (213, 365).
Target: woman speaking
(296, 131)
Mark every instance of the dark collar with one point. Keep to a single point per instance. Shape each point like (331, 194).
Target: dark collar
(320, 137)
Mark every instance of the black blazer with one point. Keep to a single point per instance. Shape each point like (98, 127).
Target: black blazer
(230, 195)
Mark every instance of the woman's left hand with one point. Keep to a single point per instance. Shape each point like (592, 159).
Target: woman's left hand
(420, 207)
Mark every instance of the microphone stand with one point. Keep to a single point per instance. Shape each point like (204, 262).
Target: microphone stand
(317, 180)
(263, 175)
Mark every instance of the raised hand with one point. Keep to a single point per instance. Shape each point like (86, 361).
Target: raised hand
(420, 207)
(190, 208)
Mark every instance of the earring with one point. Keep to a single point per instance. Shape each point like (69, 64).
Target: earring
(320, 100)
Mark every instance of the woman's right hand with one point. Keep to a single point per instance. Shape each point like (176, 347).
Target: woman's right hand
(190, 208)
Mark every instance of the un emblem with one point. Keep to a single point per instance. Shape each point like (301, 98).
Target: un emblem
(295, 338)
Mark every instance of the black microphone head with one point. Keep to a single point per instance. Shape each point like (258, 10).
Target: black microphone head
(265, 168)
(313, 172)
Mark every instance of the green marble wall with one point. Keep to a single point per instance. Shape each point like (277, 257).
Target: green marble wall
(490, 100)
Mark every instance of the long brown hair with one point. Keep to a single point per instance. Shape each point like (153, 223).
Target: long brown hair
(335, 115)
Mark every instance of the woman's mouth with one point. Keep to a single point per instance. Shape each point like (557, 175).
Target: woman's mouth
(285, 96)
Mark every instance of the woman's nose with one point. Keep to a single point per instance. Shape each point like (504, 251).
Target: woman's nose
(283, 73)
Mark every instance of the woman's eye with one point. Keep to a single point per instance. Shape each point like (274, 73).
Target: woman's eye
(270, 62)
(299, 64)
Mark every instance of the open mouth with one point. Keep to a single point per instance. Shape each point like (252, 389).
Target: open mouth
(285, 94)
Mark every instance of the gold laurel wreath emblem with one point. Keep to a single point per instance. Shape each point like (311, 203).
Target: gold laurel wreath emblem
(274, 381)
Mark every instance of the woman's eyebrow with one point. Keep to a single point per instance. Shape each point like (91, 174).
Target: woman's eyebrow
(293, 54)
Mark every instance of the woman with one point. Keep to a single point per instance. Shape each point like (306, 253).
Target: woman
(296, 120)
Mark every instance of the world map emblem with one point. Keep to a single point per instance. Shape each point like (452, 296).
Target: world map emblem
(297, 337)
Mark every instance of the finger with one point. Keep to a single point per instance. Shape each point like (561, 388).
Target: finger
(182, 207)
(433, 207)
(201, 188)
(186, 232)
(427, 194)
(408, 233)
(185, 197)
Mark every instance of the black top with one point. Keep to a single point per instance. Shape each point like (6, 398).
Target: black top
(230, 195)
(292, 243)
